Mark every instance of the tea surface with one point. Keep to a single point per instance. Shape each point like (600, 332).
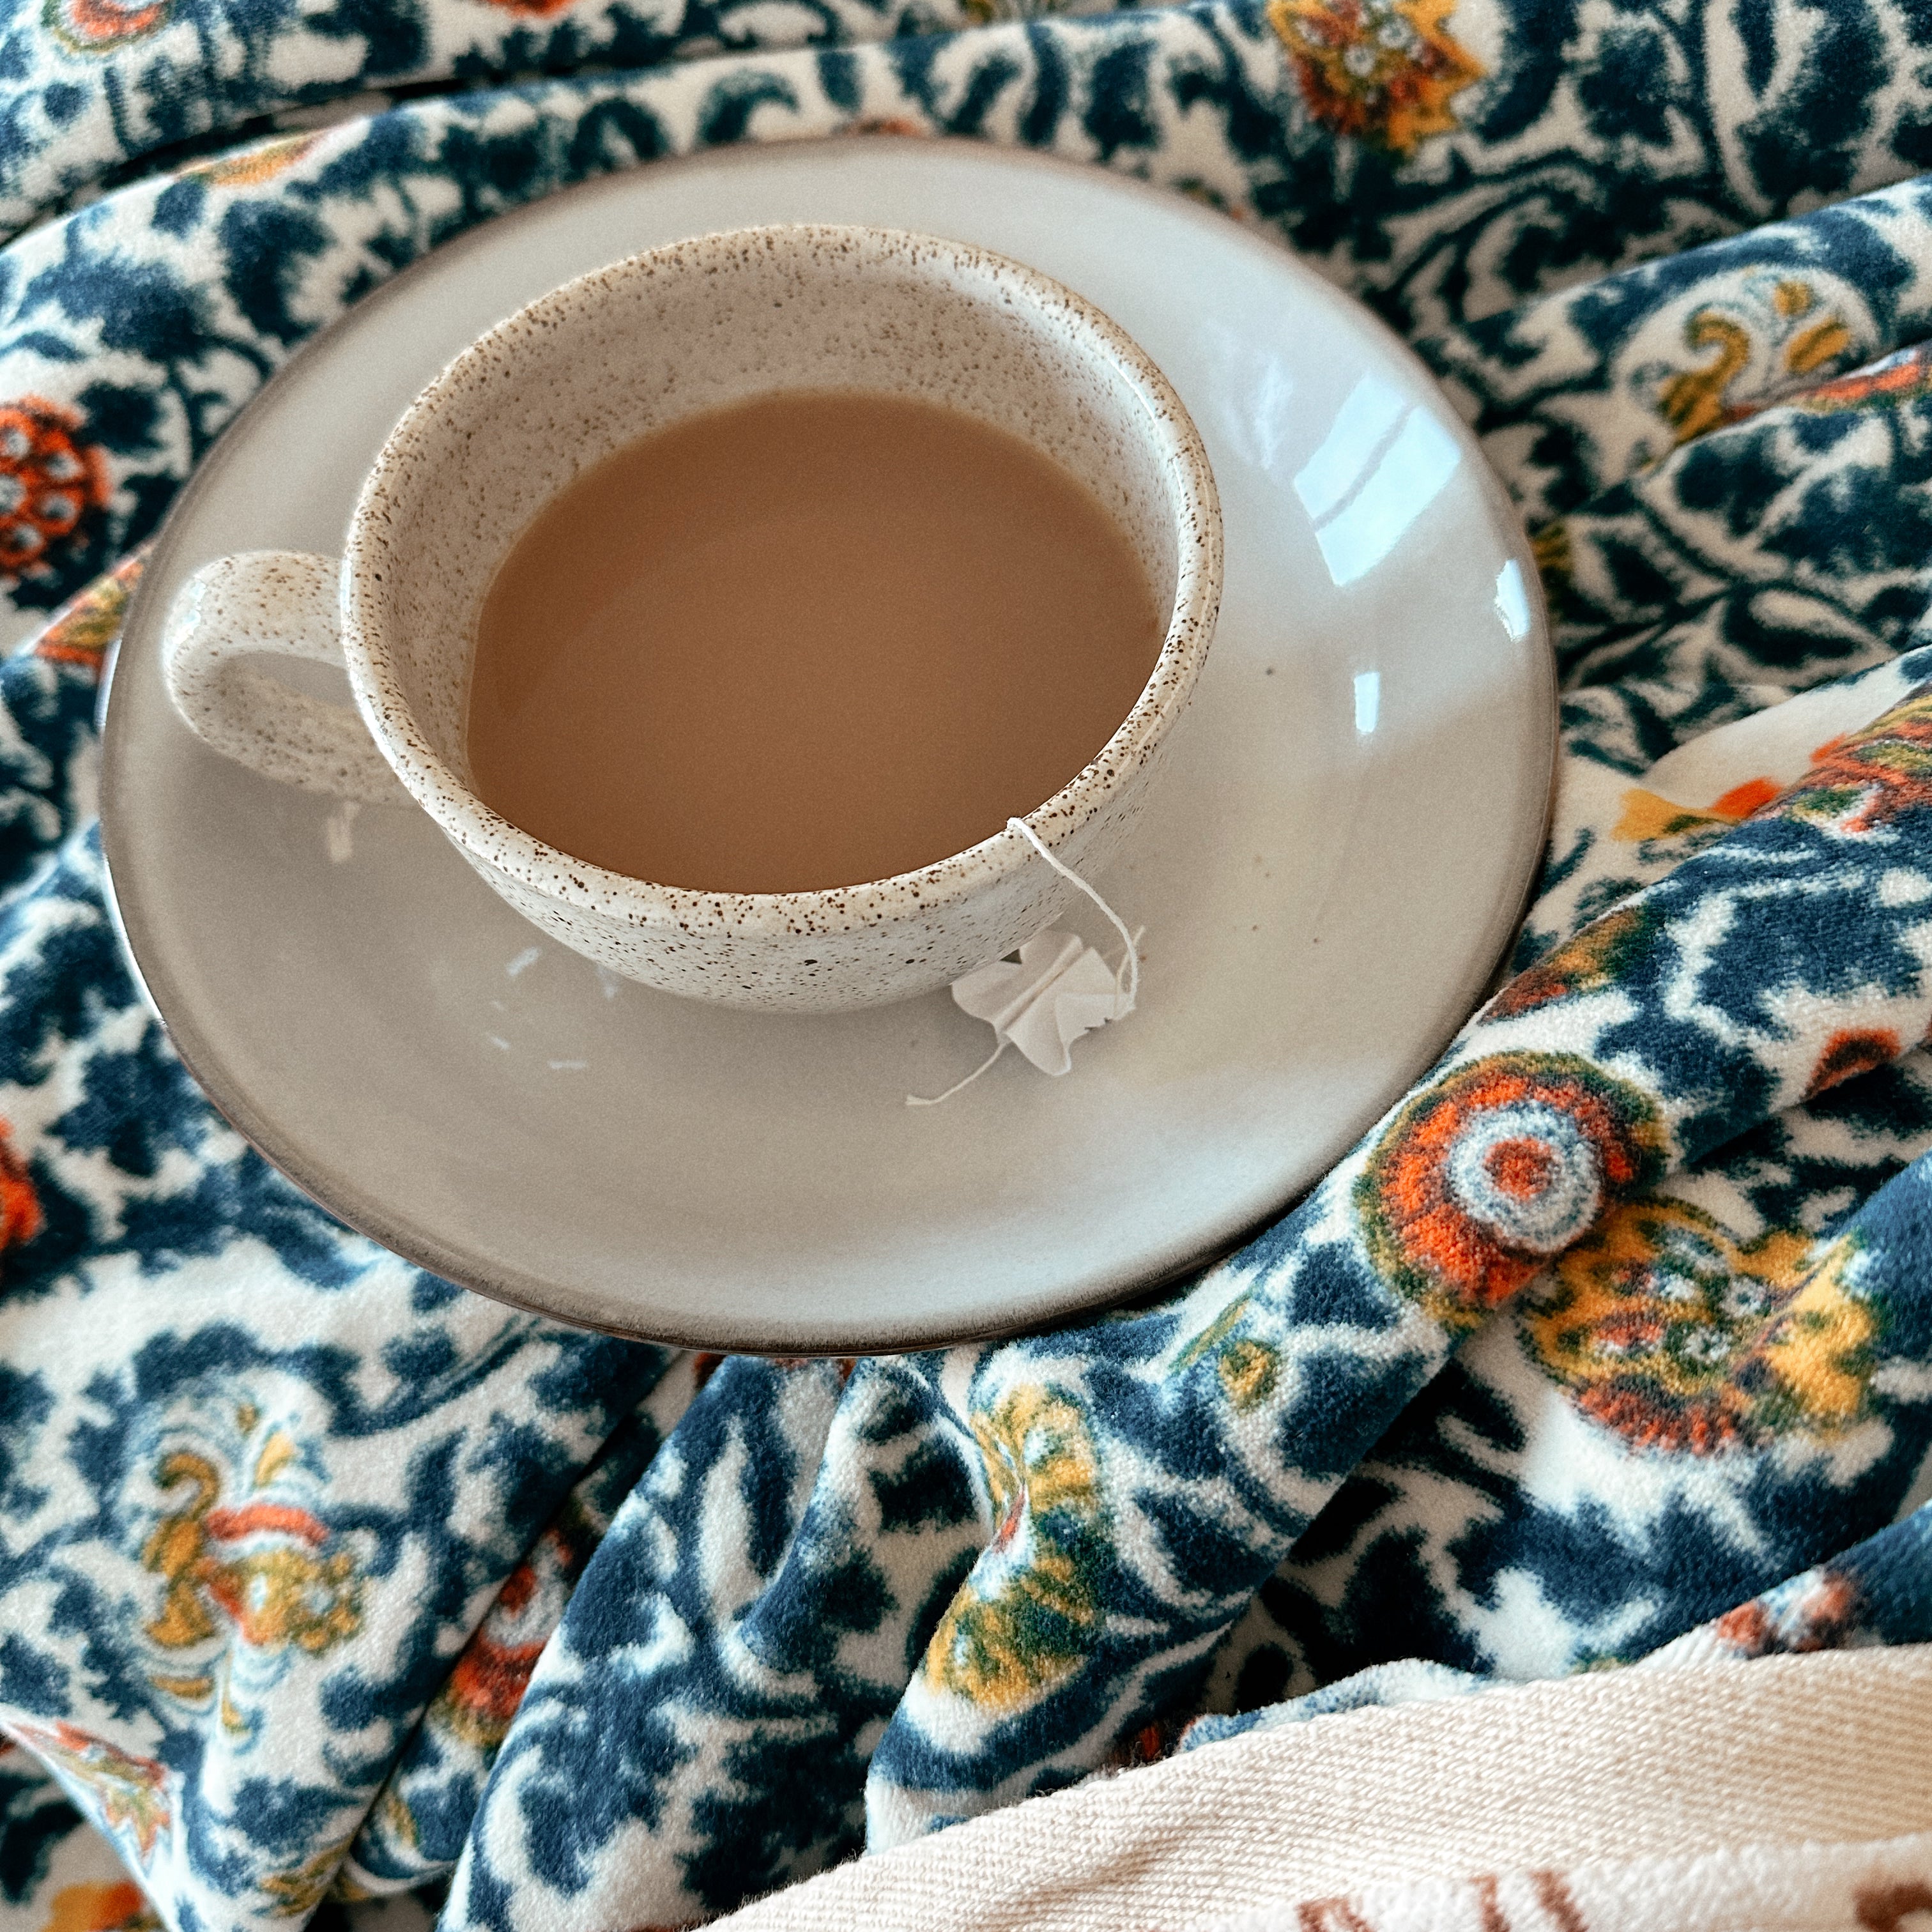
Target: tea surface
(807, 640)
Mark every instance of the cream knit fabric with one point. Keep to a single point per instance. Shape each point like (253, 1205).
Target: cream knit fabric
(1665, 1767)
(1885, 1887)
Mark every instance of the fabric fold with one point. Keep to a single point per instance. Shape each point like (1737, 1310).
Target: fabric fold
(317, 1575)
(1641, 1770)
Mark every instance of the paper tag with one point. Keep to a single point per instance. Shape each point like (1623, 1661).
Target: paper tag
(1059, 989)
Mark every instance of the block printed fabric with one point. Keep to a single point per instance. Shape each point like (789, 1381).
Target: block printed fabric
(321, 1580)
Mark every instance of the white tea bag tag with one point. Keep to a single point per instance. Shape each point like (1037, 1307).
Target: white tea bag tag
(1060, 988)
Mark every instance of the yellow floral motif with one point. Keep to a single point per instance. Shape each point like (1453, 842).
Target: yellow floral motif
(1646, 816)
(1551, 548)
(1385, 71)
(258, 1578)
(1815, 347)
(128, 1795)
(296, 1894)
(1811, 348)
(391, 1810)
(1668, 1331)
(80, 632)
(1695, 401)
(1216, 1332)
(251, 166)
(1249, 1371)
(1820, 1347)
(1018, 1623)
(347, 1889)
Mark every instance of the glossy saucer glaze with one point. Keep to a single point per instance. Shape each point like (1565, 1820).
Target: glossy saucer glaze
(1349, 817)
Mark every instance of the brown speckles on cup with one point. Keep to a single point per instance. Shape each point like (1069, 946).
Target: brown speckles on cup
(606, 359)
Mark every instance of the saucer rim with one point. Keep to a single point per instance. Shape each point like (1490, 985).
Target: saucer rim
(1084, 1296)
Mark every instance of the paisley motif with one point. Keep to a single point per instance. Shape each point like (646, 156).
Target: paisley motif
(1682, 1340)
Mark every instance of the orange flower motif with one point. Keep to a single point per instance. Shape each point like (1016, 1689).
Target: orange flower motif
(101, 1908)
(50, 480)
(1500, 1165)
(20, 1219)
(1875, 776)
(98, 27)
(1383, 70)
(493, 1671)
(1848, 1053)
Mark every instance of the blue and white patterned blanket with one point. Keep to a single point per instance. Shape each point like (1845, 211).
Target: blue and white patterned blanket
(320, 1579)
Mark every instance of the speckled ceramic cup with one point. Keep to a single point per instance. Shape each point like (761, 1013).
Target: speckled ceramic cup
(608, 358)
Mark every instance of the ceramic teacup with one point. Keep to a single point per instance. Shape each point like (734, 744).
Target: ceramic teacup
(605, 360)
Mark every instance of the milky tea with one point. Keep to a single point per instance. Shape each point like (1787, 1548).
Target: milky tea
(807, 640)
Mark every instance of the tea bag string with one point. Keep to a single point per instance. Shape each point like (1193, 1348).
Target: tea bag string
(1130, 964)
(957, 1086)
(1130, 960)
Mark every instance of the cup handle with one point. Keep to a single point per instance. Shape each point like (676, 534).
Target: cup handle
(269, 601)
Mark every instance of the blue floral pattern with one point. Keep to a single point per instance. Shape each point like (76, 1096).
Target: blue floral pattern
(1610, 1344)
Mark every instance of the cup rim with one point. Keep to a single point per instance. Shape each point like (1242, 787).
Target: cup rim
(502, 846)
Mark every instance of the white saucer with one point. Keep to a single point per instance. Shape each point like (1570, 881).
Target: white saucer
(1338, 850)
